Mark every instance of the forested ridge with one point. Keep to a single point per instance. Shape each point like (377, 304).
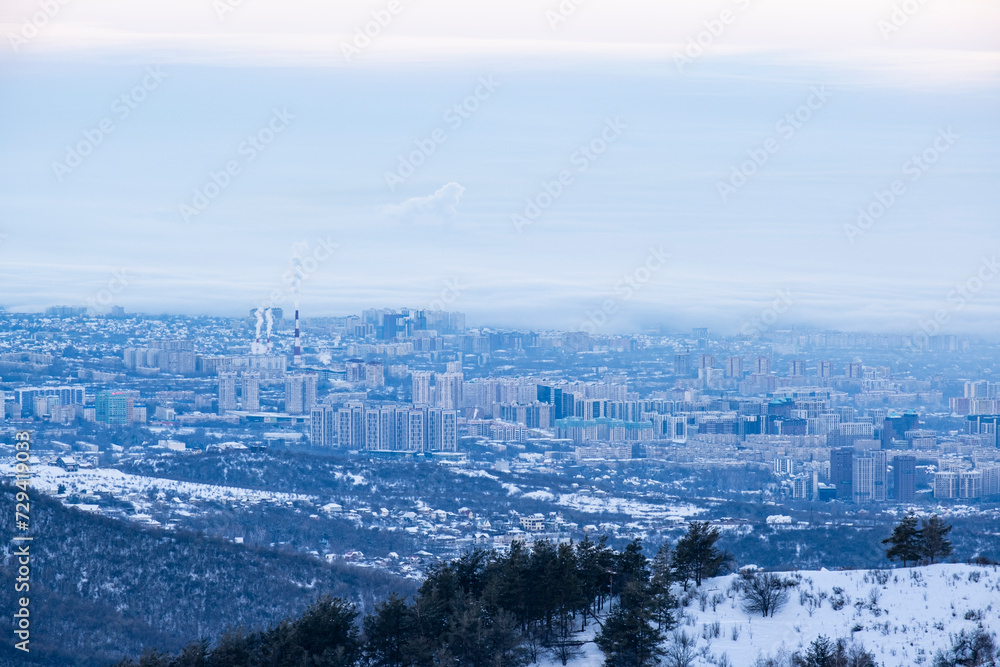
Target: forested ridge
(102, 588)
(528, 604)
(488, 609)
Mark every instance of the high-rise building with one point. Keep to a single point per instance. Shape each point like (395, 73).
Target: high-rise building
(863, 482)
(846, 413)
(970, 484)
(251, 392)
(65, 311)
(387, 427)
(375, 439)
(449, 431)
(300, 393)
(805, 486)
(796, 367)
(413, 431)
(706, 361)
(763, 365)
(355, 370)
(392, 326)
(824, 369)
(350, 426)
(323, 426)
(984, 425)
(227, 392)
(945, 485)
(448, 390)
(375, 374)
(434, 429)
(442, 430)
(854, 370)
(421, 394)
(682, 364)
(842, 472)
(734, 367)
(870, 481)
(904, 476)
(880, 482)
(895, 427)
(113, 407)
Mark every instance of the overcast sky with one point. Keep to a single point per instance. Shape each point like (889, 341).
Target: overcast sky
(177, 157)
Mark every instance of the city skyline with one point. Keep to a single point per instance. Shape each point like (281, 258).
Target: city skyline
(500, 333)
(845, 163)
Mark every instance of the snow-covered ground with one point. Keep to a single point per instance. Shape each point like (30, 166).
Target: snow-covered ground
(636, 509)
(120, 485)
(903, 621)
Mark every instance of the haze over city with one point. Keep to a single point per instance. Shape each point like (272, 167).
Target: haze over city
(520, 333)
(708, 161)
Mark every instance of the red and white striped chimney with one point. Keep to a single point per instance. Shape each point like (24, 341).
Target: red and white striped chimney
(297, 355)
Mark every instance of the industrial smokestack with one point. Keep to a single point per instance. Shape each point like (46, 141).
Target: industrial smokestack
(269, 316)
(297, 355)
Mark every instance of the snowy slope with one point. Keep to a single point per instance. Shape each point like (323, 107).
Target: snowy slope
(916, 611)
(109, 480)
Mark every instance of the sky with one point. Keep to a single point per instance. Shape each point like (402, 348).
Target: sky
(582, 165)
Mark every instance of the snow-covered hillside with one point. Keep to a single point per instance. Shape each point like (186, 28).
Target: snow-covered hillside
(903, 616)
(123, 485)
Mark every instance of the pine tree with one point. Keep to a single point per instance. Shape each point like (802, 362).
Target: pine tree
(568, 597)
(514, 584)
(388, 632)
(326, 633)
(696, 556)
(632, 565)
(906, 542)
(233, 649)
(664, 601)
(629, 638)
(194, 654)
(933, 538)
(543, 600)
(820, 654)
(589, 575)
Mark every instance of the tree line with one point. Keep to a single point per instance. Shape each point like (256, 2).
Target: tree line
(512, 608)
(926, 543)
(488, 609)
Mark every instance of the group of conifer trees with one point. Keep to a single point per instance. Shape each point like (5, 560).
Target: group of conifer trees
(488, 609)
(910, 543)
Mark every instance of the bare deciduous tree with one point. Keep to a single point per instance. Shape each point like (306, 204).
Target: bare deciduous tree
(763, 593)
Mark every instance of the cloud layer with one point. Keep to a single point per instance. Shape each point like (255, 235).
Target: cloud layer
(440, 207)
